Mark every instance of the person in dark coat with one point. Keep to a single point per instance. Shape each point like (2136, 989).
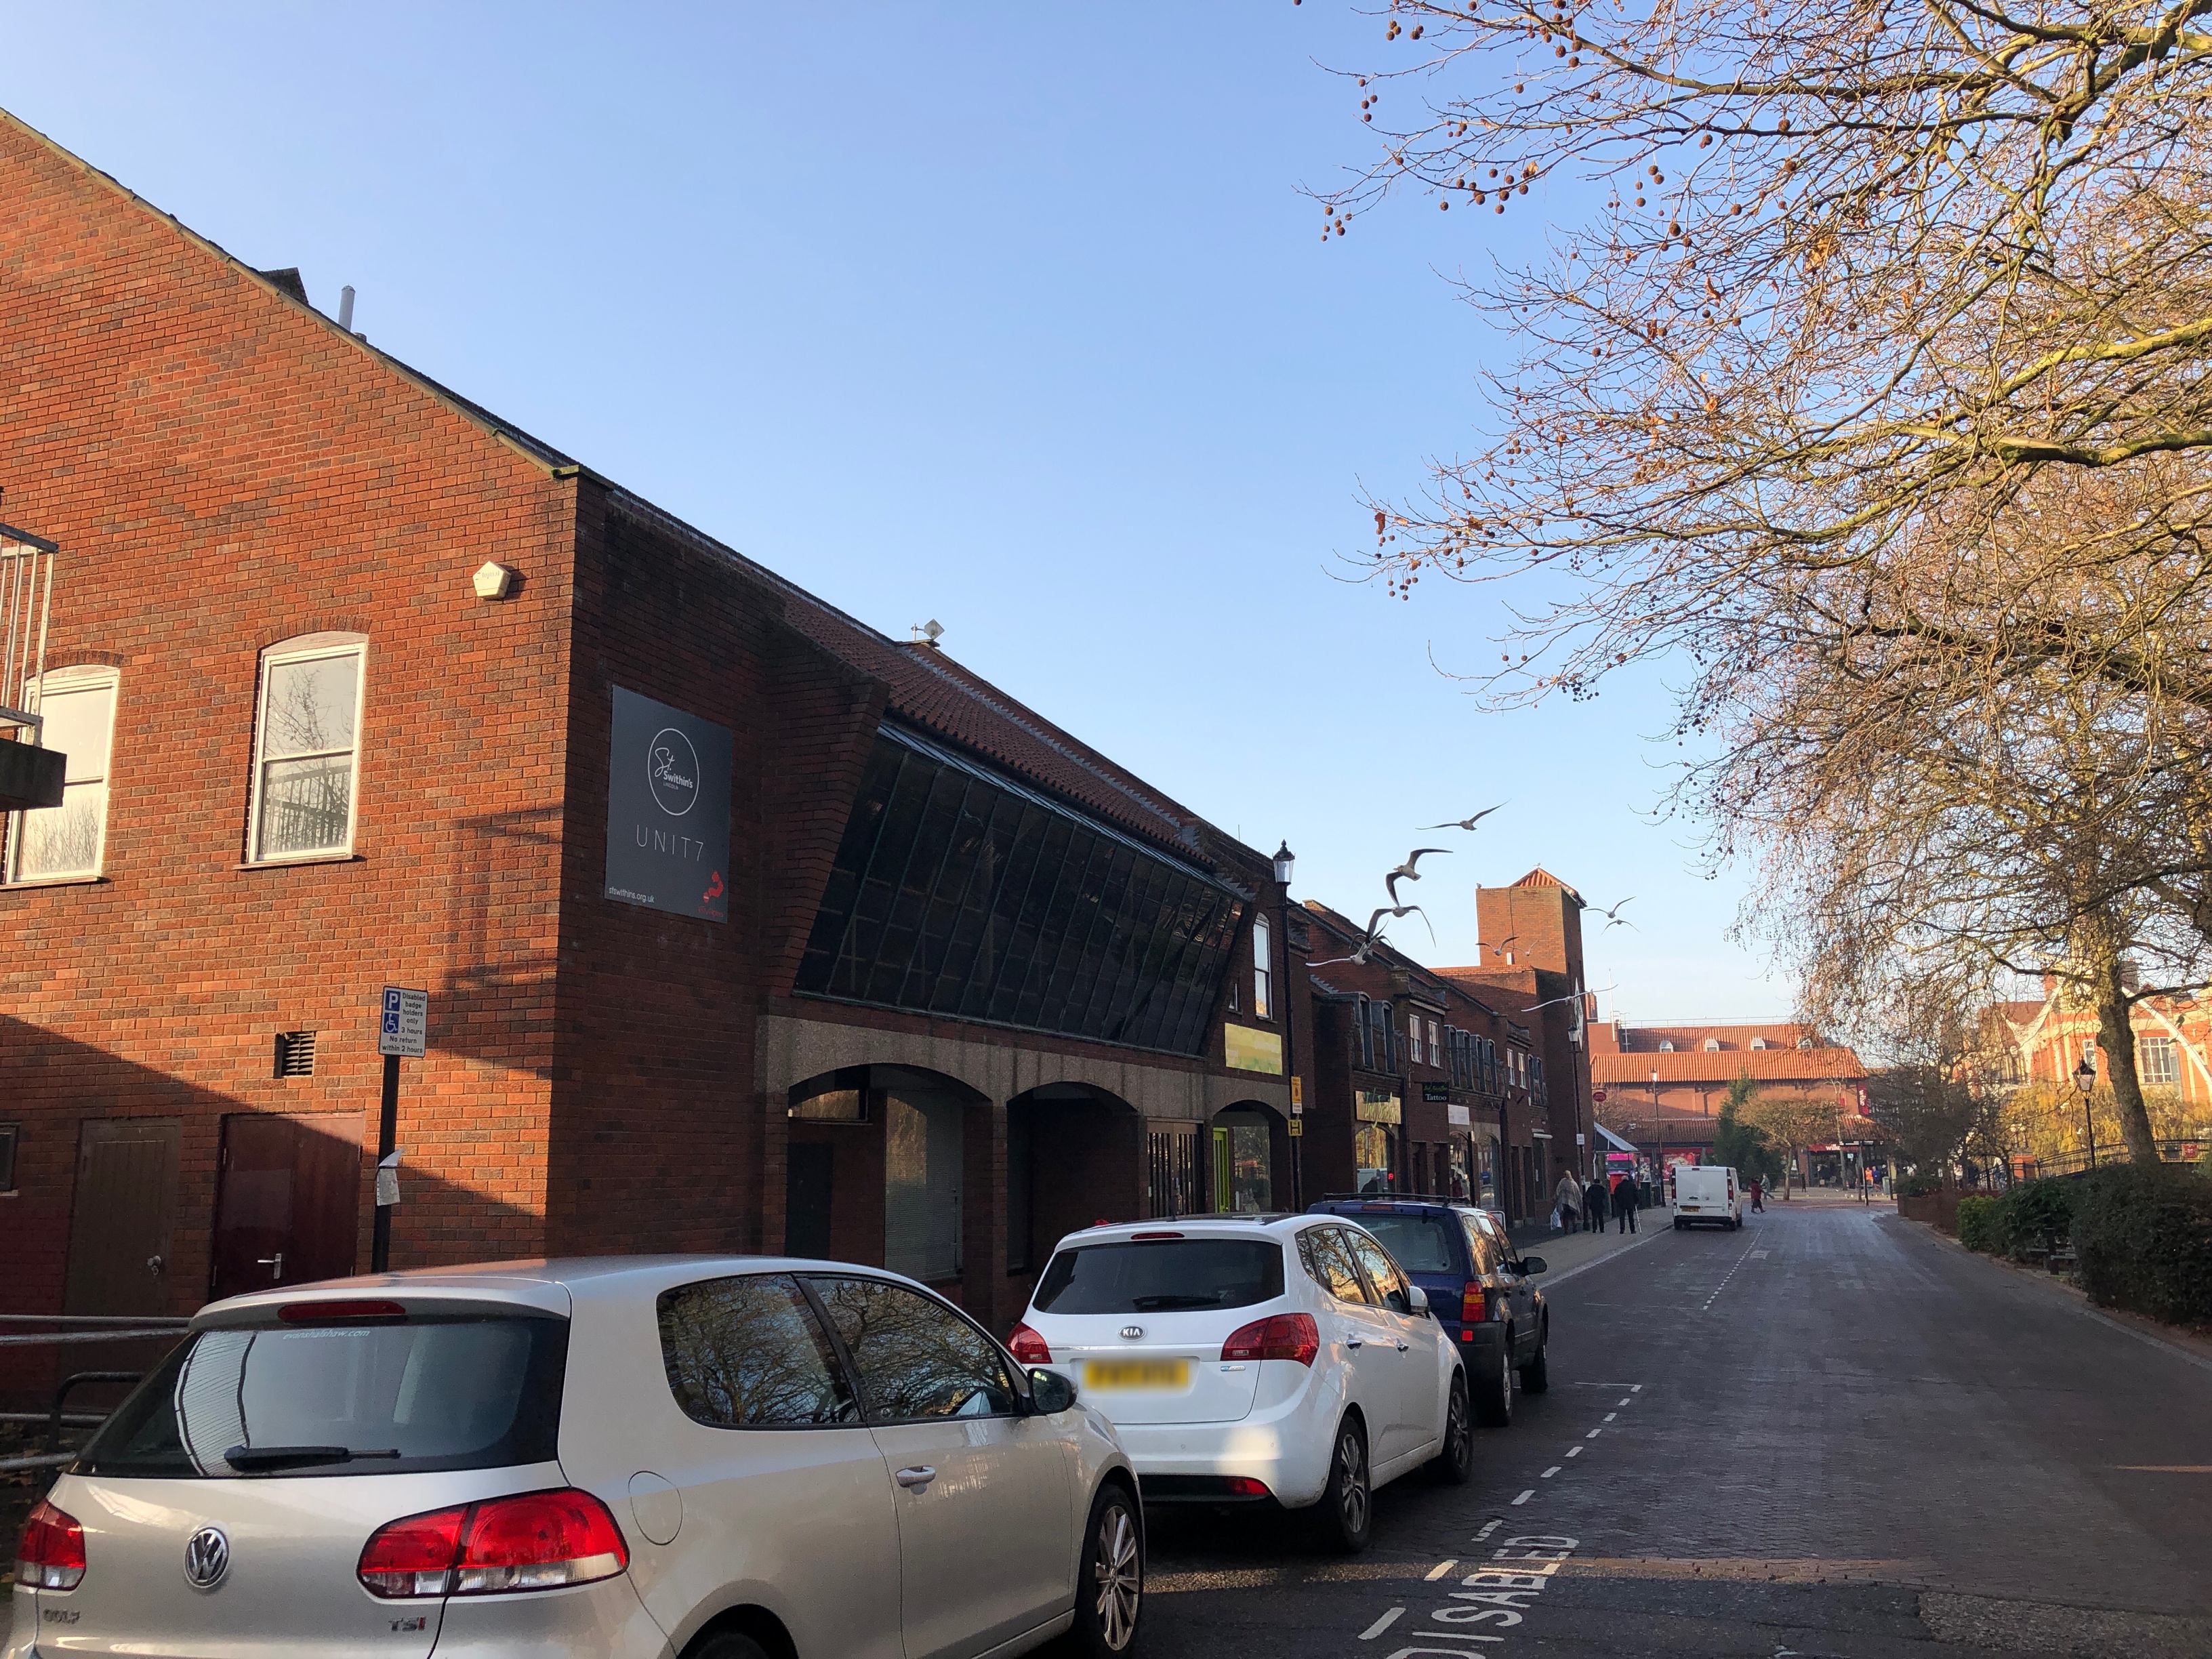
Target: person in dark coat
(1593, 1202)
(1623, 1203)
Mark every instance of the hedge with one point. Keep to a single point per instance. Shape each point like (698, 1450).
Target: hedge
(1982, 1224)
(2144, 1236)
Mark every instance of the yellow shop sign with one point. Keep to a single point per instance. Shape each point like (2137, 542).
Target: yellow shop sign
(1249, 1050)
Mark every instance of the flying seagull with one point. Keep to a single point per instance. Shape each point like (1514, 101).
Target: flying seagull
(1614, 919)
(1401, 910)
(1361, 955)
(1405, 871)
(1465, 823)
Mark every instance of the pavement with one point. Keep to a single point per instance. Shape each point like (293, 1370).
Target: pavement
(1831, 1433)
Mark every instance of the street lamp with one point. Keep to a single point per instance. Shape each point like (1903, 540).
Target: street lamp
(2085, 1079)
(1283, 859)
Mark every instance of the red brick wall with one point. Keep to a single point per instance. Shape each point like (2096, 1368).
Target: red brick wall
(224, 469)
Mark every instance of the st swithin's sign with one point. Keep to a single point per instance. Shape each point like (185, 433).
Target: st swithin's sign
(668, 810)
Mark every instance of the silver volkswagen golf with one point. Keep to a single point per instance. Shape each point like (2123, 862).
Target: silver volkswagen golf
(719, 1458)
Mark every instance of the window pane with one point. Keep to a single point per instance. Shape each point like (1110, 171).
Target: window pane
(1380, 1273)
(310, 706)
(65, 840)
(1162, 1276)
(77, 724)
(922, 1157)
(916, 1358)
(1418, 1242)
(749, 1353)
(304, 806)
(1329, 1265)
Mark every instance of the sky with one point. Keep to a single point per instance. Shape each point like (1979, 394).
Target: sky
(1012, 318)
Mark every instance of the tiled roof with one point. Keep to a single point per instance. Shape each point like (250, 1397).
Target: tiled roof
(1733, 1039)
(1539, 877)
(1806, 1065)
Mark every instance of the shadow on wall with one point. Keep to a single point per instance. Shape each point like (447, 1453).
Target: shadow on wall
(124, 1205)
(502, 941)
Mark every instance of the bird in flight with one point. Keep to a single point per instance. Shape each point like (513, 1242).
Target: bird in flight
(1361, 956)
(1465, 823)
(1400, 910)
(1405, 871)
(1614, 919)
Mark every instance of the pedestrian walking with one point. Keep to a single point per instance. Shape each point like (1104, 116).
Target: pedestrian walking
(1623, 1204)
(1594, 1205)
(1567, 1199)
(1758, 1190)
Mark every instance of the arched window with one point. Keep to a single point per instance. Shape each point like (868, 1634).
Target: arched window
(66, 842)
(307, 748)
(1667, 1045)
(1263, 957)
(1758, 1042)
(1712, 1045)
(1804, 1042)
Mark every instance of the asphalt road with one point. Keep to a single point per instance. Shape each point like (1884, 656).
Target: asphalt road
(1831, 1433)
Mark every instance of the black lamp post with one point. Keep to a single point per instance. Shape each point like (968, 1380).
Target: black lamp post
(1285, 861)
(2085, 1079)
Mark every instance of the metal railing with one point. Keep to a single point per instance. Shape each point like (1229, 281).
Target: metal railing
(26, 598)
(77, 1329)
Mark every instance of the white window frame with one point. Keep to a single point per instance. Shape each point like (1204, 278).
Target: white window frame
(1263, 965)
(1436, 1044)
(2169, 1051)
(307, 647)
(83, 677)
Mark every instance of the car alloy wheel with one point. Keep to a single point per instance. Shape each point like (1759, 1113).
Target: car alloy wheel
(1455, 1461)
(1353, 1496)
(1118, 1577)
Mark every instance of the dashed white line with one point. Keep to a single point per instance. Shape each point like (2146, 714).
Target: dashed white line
(1440, 1570)
(1594, 1434)
(1609, 1416)
(1624, 1402)
(1549, 1473)
(1526, 1496)
(1574, 1451)
(1381, 1625)
(1725, 1277)
(1488, 1527)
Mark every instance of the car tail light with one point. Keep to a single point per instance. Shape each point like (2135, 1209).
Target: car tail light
(1279, 1336)
(319, 1313)
(534, 1540)
(1026, 1346)
(1243, 1486)
(51, 1555)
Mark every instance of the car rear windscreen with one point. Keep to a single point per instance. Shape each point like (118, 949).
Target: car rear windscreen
(1161, 1275)
(397, 1397)
(1418, 1244)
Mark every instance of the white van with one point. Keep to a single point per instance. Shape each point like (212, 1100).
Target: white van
(1700, 1193)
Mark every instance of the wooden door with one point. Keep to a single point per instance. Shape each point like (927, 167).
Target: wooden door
(287, 1201)
(123, 1215)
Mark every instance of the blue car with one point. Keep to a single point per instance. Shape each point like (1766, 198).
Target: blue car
(1479, 1287)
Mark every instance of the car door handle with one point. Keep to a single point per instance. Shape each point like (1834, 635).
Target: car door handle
(1402, 1348)
(1353, 1342)
(914, 1478)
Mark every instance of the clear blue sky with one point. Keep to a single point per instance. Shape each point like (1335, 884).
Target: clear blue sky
(1010, 316)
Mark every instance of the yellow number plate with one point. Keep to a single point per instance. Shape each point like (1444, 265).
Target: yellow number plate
(1137, 1374)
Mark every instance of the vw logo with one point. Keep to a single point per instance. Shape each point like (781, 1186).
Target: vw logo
(671, 769)
(1133, 1331)
(207, 1558)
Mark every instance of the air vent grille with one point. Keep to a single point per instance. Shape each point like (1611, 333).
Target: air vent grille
(295, 1053)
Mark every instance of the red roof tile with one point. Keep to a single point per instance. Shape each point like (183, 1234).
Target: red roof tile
(1806, 1065)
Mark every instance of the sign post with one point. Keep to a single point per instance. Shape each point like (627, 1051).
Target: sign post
(401, 1027)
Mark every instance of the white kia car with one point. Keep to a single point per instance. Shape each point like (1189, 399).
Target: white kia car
(1250, 1359)
(711, 1457)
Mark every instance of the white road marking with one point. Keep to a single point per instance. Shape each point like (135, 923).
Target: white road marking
(1488, 1527)
(1594, 1434)
(1549, 1473)
(1759, 1255)
(1381, 1625)
(1526, 1496)
(1609, 1416)
(1574, 1451)
(1624, 1402)
(1440, 1570)
(1635, 1387)
(1725, 1277)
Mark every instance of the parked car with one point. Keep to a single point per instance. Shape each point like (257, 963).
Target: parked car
(1478, 1283)
(716, 1458)
(1702, 1192)
(1255, 1359)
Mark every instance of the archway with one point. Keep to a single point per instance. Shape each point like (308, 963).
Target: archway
(881, 1164)
(1074, 1158)
(1251, 1158)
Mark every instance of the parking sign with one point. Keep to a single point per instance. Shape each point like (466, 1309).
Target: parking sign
(402, 1022)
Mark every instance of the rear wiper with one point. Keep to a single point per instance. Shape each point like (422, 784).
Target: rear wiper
(1164, 1304)
(251, 1458)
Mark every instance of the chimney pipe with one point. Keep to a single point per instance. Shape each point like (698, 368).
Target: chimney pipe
(345, 308)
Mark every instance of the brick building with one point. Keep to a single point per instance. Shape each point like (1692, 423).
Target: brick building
(1664, 1083)
(743, 924)
(2045, 1040)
